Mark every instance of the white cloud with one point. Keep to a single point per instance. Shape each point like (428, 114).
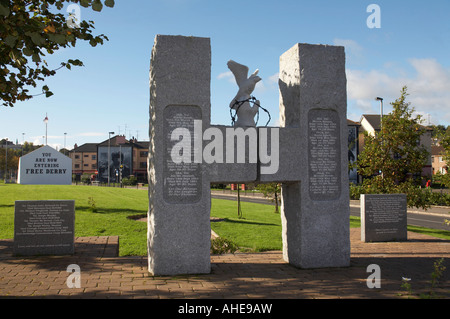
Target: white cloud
(273, 79)
(260, 88)
(226, 75)
(428, 88)
(365, 106)
(353, 50)
(265, 85)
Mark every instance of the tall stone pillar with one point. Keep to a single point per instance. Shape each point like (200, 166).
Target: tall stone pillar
(315, 209)
(179, 193)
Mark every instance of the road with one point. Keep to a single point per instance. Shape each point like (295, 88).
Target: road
(425, 219)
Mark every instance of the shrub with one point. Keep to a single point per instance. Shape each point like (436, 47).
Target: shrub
(86, 179)
(222, 246)
(92, 205)
(129, 181)
(356, 191)
(416, 196)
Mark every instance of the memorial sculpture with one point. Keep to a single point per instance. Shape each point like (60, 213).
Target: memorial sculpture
(241, 103)
(308, 154)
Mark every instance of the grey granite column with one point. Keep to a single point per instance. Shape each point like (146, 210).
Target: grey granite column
(315, 209)
(179, 193)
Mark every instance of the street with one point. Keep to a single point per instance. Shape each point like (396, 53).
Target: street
(429, 219)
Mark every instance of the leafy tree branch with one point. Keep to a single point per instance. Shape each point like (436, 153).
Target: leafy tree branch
(29, 30)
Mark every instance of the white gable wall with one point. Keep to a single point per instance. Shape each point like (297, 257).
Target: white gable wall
(45, 166)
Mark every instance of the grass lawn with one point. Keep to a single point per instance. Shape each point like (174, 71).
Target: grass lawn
(114, 206)
(258, 230)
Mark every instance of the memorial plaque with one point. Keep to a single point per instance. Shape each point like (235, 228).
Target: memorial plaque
(182, 181)
(44, 227)
(324, 155)
(383, 217)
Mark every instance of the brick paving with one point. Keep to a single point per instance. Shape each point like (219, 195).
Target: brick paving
(261, 275)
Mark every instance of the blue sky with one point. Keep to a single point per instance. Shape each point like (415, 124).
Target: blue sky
(111, 93)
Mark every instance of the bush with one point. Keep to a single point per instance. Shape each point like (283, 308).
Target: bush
(92, 205)
(222, 246)
(439, 199)
(86, 179)
(441, 180)
(417, 196)
(356, 191)
(129, 181)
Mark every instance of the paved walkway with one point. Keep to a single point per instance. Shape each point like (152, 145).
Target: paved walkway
(262, 275)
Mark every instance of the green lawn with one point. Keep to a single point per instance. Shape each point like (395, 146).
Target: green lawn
(258, 230)
(114, 206)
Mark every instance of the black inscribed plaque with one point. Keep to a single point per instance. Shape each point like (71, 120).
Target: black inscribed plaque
(324, 155)
(44, 227)
(383, 217)
(183, 140)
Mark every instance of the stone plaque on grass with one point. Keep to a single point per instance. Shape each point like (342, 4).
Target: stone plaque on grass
(44, 227)
(383, 217)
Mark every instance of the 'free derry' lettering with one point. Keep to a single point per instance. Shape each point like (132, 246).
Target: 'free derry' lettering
(46, 165)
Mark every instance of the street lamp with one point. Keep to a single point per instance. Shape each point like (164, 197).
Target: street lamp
(109, 155)
(46, 123)
(65, 135)
(6, 160)
(381, 123)
(381, 111)
(23, 141)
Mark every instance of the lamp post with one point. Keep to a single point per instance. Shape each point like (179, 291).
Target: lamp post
(381, 124)
(6, 160)
(65, 135)
(23, 141)
(109, 155)
(381, 111)
(46, 123)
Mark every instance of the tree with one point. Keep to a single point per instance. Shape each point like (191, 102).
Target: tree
(393, 159)
(272, 191)
(445, 142)
(29, 29)
(9, 162)
(444, 139)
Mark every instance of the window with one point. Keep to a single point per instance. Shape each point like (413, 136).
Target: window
(77, 156)
(86, 155)
(144, 153)
(77, 165)
(94, 166)
(143, 165)
(94, 157)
